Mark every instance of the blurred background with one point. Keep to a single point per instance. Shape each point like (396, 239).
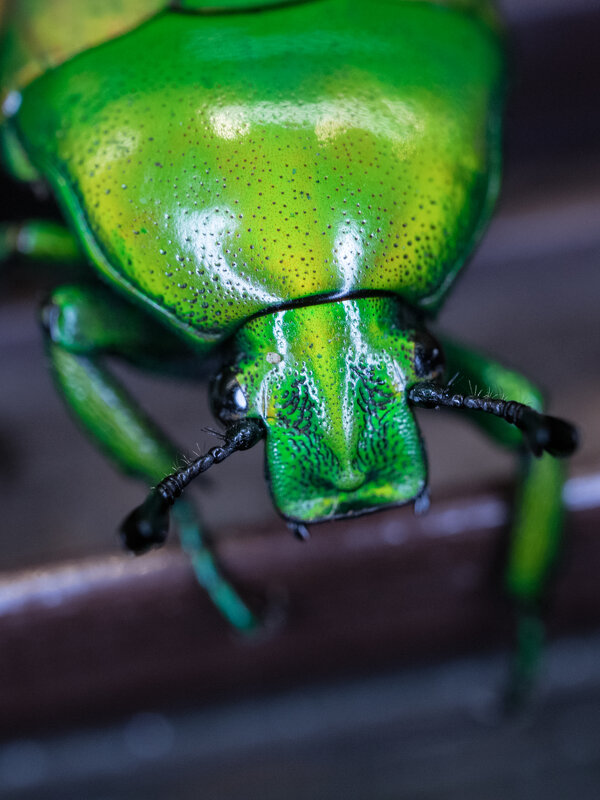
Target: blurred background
(118, 680)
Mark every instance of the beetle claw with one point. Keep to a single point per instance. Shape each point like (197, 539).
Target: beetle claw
(421, 503)
(299, 530)
(147, 526)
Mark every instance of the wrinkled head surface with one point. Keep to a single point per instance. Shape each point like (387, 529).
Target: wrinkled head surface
(330, 383)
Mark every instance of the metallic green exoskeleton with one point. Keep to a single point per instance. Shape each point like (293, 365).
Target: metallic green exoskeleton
(291, 187)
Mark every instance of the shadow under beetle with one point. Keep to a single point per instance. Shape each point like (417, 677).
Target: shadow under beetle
(292, 187)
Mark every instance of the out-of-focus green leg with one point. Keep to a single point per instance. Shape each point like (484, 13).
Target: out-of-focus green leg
(83, 324)
(536, 533)
(38, 241)
(536, 541)
(208, 572)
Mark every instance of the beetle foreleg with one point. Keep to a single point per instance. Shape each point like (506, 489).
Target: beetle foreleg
(82, 324)
(535, 547)
(536, 531)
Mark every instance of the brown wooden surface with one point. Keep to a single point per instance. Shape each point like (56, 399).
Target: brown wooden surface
(105, 636)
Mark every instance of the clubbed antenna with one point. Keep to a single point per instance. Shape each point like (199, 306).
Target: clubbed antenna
(541, 432)
(148, 524)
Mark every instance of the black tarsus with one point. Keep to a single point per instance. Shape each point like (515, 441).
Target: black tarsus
(541, 432)
(148, 525)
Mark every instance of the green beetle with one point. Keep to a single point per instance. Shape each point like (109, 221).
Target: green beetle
(290, 189)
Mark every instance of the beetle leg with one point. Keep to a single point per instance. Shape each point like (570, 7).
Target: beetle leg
(39, 241)
(536, 544)
(84, 323)
(536, 533)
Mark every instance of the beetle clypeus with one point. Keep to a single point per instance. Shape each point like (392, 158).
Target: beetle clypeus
(292, 186)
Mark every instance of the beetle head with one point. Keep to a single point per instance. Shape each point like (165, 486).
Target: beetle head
(330, 383)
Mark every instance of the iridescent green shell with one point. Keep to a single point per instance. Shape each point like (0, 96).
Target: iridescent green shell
(220, 166)
(38, 35)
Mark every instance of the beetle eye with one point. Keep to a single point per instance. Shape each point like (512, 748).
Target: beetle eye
(227, 398)
(429, 358)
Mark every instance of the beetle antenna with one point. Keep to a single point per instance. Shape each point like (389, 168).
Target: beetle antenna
(148, 524)
(541, 432)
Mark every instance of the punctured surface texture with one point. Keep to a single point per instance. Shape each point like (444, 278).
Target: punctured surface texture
(220, 166)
